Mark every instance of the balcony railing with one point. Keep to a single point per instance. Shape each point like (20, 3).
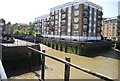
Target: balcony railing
(85, 14)
(100, 13)
(85, 22)
(99, 24)
(86, 7)
(63, 10)
(63, 23)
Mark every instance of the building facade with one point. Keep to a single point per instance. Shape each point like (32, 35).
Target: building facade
(111, 28)
(10, 28)
(77, 20)
(2, 26)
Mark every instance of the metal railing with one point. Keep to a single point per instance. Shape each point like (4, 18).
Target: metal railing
(67, 66)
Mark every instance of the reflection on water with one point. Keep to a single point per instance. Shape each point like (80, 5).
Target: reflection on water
(105, 63)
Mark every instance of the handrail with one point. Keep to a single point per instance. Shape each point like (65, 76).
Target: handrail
(2, 72)
(100, 76)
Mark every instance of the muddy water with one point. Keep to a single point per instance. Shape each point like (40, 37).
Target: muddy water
(104, 63)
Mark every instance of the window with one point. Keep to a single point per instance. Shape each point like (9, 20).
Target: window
(52, 18)
(118, 29)
(113, 27)
(76, 20)
(118, 34)
(63, 15)
(47, 28)
(68, 33)
(56, 16)
(56, 32)
(86, 7)
(56, 27)
(56, 22)
(75, 26)
(63, 28)
(75, 33)
(85, 21)
(84, 33)
(76, 6)
(63, 10)
(85, 13)
(99, 18)
(76, 13)
(100, 12)
(99, 24)
(63, 22)
(56, 12)
(99, 29)
(98, 34)
(52, 13)
(85, 27)
(63, 33)
(52, 23)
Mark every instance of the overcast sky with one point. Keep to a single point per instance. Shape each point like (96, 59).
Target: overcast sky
(24, 11)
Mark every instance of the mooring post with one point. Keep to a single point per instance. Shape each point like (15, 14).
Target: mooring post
(67, 70)
(43, 65)
(56, 46)
(76, 50)
(60, 47)
(66, 48)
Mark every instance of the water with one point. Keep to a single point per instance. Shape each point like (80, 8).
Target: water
(104, 63)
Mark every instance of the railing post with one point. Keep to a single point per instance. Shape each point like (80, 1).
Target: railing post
(30, 61)
(67, 70)
(43, 65)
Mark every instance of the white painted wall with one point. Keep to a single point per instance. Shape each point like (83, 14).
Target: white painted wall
(78, 38)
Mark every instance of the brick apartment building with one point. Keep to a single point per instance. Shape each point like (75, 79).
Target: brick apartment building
(111, 28)
(10, 28)
(77, 20)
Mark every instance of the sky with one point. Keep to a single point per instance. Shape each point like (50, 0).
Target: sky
(25, 11)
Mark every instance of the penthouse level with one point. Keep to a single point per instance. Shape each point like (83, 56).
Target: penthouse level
(78, 20)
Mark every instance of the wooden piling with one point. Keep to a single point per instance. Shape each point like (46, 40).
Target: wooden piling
(66, 49)
(56, 46)
(67, 70)
(60, 47)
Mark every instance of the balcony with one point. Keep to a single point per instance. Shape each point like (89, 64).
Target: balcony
(99, 24)
(63, 28)
(118, 30)
(118, 25)
(63, 23)
(52, 18)
(63, 16)
(85, 22)
(85, 28)
(86, 7)
(99, 30)
(47, 24)
(99, 18)
(52, 13)
(85, 14)
(51, 29)
(63, 10)
(100, 13)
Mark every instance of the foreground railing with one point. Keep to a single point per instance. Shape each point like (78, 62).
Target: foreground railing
(67, 66)
(2, 72)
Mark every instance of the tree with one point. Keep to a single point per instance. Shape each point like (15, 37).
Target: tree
(31, 28)
(16, 32)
